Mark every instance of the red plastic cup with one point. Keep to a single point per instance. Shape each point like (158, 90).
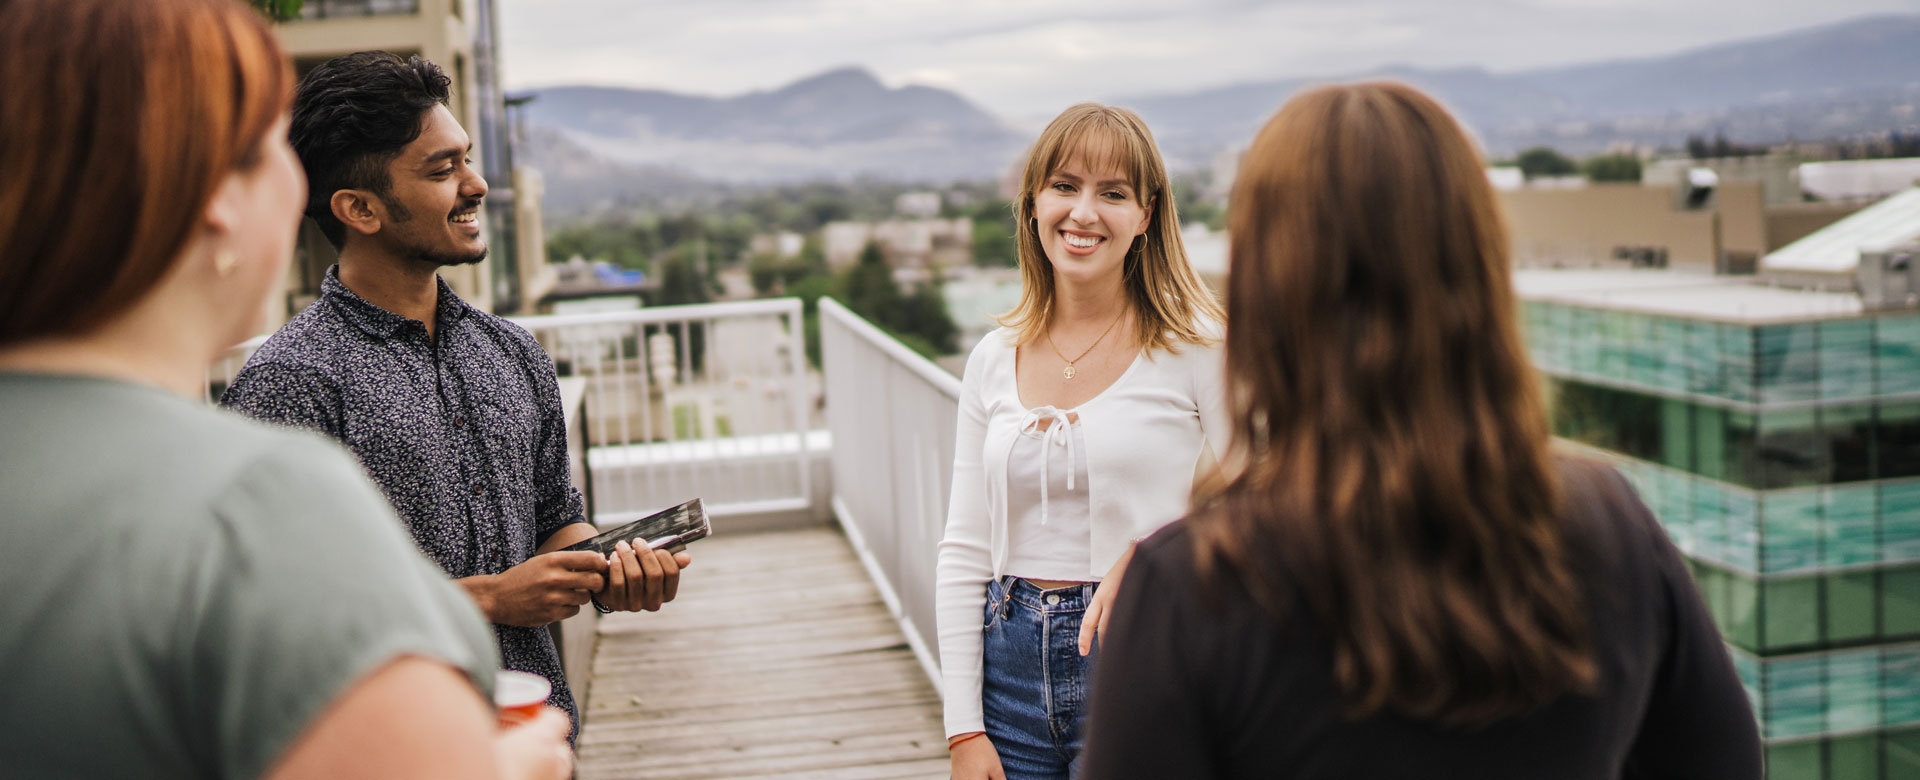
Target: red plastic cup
(519, 695)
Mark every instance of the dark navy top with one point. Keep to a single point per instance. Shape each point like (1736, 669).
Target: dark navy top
(464, 433)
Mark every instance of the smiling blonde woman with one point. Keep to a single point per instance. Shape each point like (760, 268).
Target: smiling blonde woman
(1081, 423)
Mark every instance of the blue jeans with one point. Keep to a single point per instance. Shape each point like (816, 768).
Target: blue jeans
(1034, 692)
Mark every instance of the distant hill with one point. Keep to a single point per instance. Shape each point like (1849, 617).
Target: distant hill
(839, 124)
(1853, 77)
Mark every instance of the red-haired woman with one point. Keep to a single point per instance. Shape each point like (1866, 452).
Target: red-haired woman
(1395, 576)
(189, 594)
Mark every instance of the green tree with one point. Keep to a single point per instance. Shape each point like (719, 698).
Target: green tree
(813, 255)
(764, 270)
(924, 314)
(279, 10)
(1612, 167)
(1544, 161)
(870, 290)
(994, 243)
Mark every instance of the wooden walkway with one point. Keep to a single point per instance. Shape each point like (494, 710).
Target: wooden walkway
(778, 660)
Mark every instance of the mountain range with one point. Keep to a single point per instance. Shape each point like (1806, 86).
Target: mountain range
(1850, 78)
(837, 124)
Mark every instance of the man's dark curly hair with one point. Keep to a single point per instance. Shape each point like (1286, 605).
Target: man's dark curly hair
(351, 117)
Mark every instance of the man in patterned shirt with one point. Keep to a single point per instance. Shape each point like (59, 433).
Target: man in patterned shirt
(455, 413)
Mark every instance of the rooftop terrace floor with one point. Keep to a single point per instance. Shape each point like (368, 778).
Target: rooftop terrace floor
(777, 660)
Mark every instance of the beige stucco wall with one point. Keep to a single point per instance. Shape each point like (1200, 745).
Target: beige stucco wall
(1581, 227)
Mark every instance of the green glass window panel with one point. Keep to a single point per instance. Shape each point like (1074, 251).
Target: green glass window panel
(1736, 362)
(1614, 343)
(1794, 761)
(1584, 353)
(1850, 521)
(1900, 601)
(1710, 441)
(1752, 674)
(1792, 610)
(1900, 685)
(1791, 451)
(1743, 612)
(1897, 440)
(1846, 358)
(1710, 524)
(1854, 758)
(1671, 338)
(1796, 697)
(1900, 522)
(1897, 354)
(1902, 752)
(1852, 606)
(1712, 583)
(1853, 690)
(1742, 442)
(1787, 361)
(1742, 521)
(1848, 431)
(1676, 434)
(1703, 357)
(1790, 531)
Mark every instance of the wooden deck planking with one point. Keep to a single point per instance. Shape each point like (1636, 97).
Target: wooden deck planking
(778, 660)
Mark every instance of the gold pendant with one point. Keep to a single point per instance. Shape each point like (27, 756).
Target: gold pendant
(1068, 371)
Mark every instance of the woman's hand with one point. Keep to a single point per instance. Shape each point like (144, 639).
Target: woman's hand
(1101, 605)
(537, 749)
(975, 759)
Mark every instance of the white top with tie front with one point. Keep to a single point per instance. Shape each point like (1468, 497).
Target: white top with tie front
(1048, 524)
(1138, 444)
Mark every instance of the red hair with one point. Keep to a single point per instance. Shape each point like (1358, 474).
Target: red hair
(118, 121)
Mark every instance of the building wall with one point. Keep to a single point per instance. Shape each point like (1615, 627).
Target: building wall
(1787, 224)
(1582, 227)
(1783, 458)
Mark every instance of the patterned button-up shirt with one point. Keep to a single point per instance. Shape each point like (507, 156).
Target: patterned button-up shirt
(463, 432)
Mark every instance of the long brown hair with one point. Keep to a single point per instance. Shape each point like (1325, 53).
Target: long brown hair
(1169, 299)
(1391, 446)
(117, 122)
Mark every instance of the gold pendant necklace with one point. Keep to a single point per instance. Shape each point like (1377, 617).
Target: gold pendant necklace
(1067, 372)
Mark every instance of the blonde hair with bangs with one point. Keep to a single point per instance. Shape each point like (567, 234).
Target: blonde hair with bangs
(1169, 299)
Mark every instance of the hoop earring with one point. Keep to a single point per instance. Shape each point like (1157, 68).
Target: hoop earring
(224, 261)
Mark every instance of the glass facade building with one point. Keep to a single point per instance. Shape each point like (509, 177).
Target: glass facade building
(1781, 450)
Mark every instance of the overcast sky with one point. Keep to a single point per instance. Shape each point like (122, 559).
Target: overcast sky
(1025, 59)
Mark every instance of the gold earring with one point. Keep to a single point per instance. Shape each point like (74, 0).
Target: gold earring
(224, 261)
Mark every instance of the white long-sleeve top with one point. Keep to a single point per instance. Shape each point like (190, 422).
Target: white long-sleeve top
(1143, 437)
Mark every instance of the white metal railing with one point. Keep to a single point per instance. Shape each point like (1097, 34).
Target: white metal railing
(891, 413)
(708, 401)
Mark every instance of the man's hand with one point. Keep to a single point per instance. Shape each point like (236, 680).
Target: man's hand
(543, 589)
(536, 750)
(639, 578)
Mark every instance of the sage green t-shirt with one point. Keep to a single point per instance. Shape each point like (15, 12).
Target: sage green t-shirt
(182, 590)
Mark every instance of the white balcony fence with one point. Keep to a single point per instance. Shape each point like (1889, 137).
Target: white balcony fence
(708, 401)
(891, 413)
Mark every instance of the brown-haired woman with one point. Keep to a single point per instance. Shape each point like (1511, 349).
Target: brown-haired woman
(1080, 425)
(189, 594)
(1394, 576)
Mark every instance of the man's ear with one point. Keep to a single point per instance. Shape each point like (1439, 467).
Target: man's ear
(358, 210)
